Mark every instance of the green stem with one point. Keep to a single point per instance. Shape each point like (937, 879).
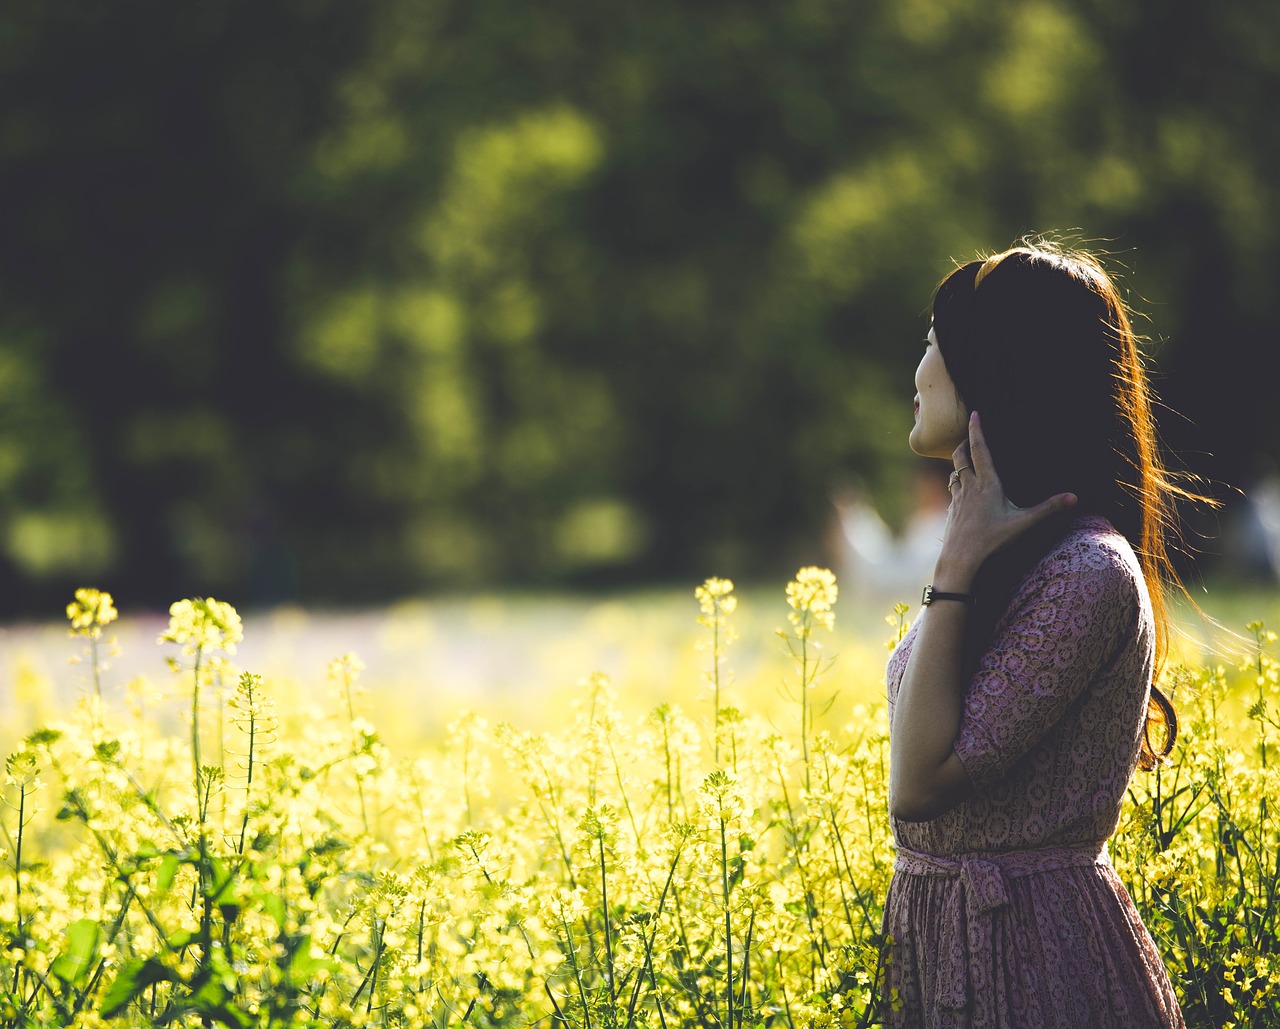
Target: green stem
(248, 786)
(222, 742)
(17, 857)
(715, 672)
(666, 750)
(466, 775)
(369, 976)
(17, 879)
(804, 698)
(97, 676)
(840, 848)
(782, 987)
(728, 922)
(202, 805)
(577, 972)
(351, 720)
(622, 790)
(798, 846)
(648, 946)
(608, 931)
(746, 963)
(550, 816)
(195, 734)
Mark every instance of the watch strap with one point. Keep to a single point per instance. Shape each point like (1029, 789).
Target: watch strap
(930, 595)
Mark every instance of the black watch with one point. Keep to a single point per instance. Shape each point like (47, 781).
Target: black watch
(930, 595)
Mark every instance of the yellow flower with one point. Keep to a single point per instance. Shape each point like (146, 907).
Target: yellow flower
(715, 597)
(813, 592)
(568, 905)
(21, 770)
(722, 799)
(90, 611)
(346, 669)
(201, 624)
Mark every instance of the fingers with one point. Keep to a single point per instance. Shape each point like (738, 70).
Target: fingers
(1048, 508)
(974, 455)
(960, 458)
(978, 448)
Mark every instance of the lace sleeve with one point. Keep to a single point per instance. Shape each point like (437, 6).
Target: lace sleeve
(1064, 626)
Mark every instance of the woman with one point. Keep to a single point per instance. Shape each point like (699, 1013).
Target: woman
(1021, 700)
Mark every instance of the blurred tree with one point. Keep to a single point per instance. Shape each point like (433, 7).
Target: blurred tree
(340, 301)
(150, 157)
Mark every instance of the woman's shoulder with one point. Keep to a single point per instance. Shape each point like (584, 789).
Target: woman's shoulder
(1089, 581)
(1092, 539)
(1094, 558)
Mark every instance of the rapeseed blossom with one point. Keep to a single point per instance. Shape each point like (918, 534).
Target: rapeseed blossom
(716, 600)
(203, 624)
(613, 874)
(721, 800)
(90, 612)
(812, 595)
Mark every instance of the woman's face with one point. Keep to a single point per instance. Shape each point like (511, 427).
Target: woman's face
(942, 423)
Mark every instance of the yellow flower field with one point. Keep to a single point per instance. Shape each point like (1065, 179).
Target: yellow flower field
(716, 856)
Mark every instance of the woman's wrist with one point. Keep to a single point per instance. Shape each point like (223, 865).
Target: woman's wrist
(953, 577)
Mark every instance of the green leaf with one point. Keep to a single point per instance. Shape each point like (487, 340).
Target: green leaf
(106, 750)
(224, 1013)
(304, 964)
(213, 994)
(132, 980)
(222, 888)
(173, 860)
(230, 1016)
(44, 737)
(182, 938)
(72, 965)
(208, 992)
(273, 904)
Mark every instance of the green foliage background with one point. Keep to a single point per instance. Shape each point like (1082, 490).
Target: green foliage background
(325, 300)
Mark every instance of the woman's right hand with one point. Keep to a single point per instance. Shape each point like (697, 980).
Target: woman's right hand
(981, 518)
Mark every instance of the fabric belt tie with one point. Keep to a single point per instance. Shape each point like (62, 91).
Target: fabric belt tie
(983, 891)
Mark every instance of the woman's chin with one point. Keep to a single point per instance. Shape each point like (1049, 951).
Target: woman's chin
(925, 446)
(921, 448)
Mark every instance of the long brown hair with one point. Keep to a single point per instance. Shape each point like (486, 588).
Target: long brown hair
(1040, 341)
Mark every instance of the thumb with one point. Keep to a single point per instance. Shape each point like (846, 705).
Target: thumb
(1049, 508)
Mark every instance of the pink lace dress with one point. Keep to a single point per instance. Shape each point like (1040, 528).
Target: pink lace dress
(1005, 911)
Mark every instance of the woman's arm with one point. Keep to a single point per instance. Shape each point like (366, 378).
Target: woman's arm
(926, 778)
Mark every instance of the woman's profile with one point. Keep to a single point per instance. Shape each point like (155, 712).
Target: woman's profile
(1021, 700)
